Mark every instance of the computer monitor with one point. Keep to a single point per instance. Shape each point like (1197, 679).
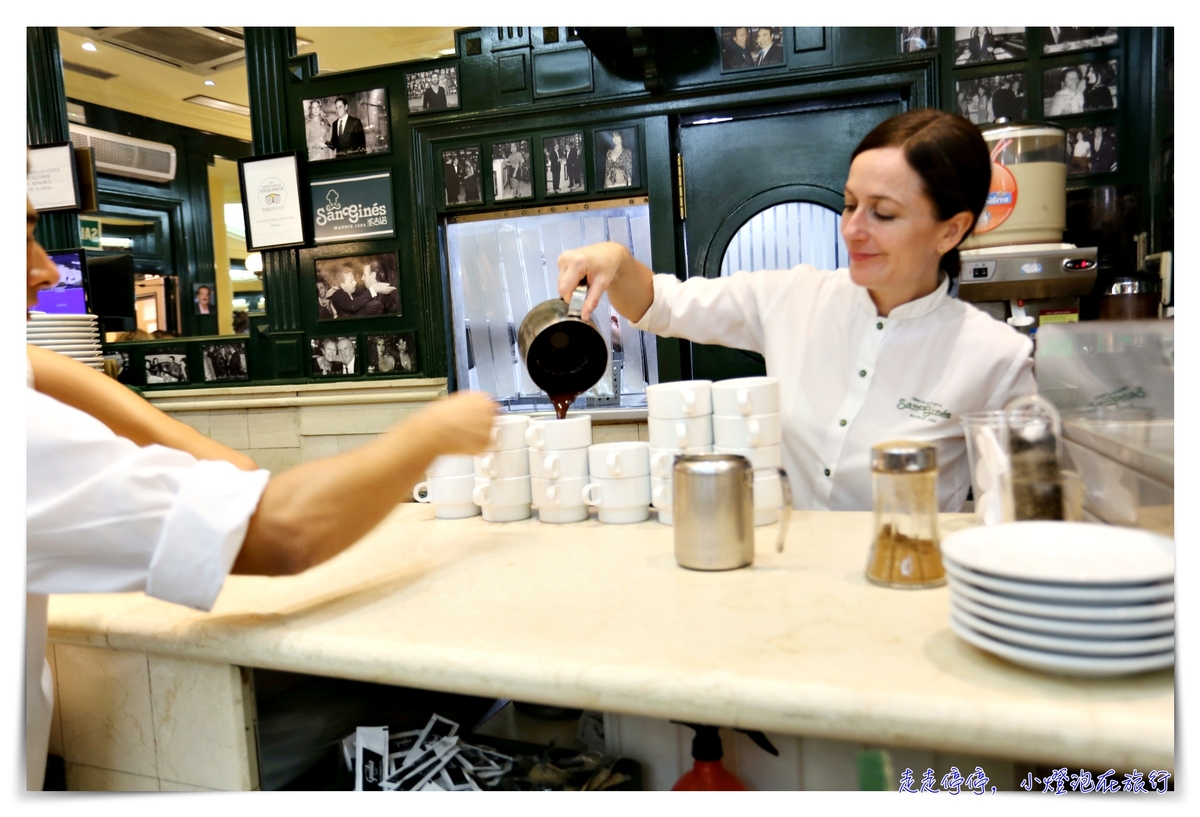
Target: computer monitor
(110, 286)
(68, 296)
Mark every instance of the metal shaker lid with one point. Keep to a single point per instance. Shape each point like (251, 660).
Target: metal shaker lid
(903, 456)
(712, 464)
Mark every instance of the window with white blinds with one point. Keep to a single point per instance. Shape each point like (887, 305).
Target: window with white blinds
(500, 268)
(780, 237)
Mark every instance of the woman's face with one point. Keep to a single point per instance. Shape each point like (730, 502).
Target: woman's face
(1091, 77)
(617, 141)
(314, 109)
(890, 225)
(329, 348)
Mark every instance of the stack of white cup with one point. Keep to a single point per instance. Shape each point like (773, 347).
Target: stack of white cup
(558, 463)
(746, 422)
(502, 486)
(449, 483)
(620, 482)
(680, 421)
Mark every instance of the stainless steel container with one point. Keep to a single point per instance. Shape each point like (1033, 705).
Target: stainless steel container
(714, 511)
(564, 354)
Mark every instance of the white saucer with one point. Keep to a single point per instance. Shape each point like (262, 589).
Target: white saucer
(1071, 646)
(1060, 664)
(1063, 553)
(1055, 626)
(1073, 612)
(1059, 593)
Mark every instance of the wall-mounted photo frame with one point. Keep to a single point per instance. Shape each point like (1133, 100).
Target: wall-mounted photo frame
(1059, 40)
(51, 180)
(334, 356)
(271, 201)
(350, 208)
(204, 299)
(224, 362)
(986, 99)
(166, 365)
(918, 38)
(1071, 89)
(392, 353)
(563, 156)
(751, 47)
(461, 176)
(976, 44)
(433, 90)
(120, 365)
(342, 125)
(1091, 150)
(358, 286)
(618, 158)
(512, 170)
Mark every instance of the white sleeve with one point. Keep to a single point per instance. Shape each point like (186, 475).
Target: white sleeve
(104, 515)
(1018, 380)
(727, 311)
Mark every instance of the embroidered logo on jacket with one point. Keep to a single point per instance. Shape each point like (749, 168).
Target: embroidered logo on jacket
(923, 409)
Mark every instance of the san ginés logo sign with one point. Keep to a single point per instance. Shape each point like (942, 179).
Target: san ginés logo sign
(353, 207)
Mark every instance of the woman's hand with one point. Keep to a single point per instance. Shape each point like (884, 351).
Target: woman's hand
(460, 424)
(597, 264)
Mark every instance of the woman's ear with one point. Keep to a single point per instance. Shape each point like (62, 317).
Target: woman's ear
(955, 228)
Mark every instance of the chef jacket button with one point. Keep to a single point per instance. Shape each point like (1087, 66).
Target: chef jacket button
(826, 472)
(842, 423)
(879, 325)
(862, 372)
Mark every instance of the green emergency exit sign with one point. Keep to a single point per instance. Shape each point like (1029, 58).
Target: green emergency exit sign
(89, 233)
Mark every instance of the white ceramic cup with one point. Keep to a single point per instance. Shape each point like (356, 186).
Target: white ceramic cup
(746, 396)
(661, 493)
(499, 464)
(552, 434)
(504, 491)
(560, 500)
(508, 432)
(619, 460)
(451, 465)
(685, 398)
(619, 501)
(451, 497)
(753, 431)
(766, 456)
(572, 462)
(662, 460)
(691, 432)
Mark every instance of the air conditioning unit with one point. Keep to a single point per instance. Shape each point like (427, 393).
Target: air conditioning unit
(126, 156)
(200, 50)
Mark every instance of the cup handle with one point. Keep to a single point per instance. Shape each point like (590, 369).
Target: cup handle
(658, 495)
(482, 495)
(550, 466)
(681, 435)
(614, 464)
(785, 509)
(658, 464)
(552, 496)
(421, 492)
(586, 494)
(755, 432)
(533, 437)
(488, 465)
(689, 401)
(743, 400)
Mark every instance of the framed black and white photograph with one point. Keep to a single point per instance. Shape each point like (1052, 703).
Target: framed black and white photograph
(120, 365)
(355, 124)
(986, 99)
(1091, 150)
(167, 365)
(204, 299)
(334, 356)
(564, 164)
(224, 361)
(51, 179)
(1079, 88)
(271, 207)
(460, 171)
(751, 47)
(352, 207)
(975, 44)
(433, 90)
(358, 286)
(918, 38)
(1058, 40)
(396, 353)
(617, 158)
(512, 172)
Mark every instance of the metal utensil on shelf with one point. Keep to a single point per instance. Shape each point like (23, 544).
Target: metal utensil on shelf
(563, 353)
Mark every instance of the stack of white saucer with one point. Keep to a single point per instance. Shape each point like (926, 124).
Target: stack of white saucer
(746, 422)
(680, 422)
(502, 487)
(1064, 597)
(558, 464)
(76, 336)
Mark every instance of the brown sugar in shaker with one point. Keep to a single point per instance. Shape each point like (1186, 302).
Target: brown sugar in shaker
(904, 551)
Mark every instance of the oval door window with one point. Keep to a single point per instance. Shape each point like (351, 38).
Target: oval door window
(780, 237)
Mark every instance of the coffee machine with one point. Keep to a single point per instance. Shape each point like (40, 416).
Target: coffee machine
(1027, 285)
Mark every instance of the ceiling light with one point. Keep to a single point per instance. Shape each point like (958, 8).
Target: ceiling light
(209, 82)
(89, 46)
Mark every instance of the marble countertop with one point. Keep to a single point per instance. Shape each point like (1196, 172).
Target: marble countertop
(600, 617)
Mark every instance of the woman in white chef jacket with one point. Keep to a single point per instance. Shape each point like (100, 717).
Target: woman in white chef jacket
(872, 353)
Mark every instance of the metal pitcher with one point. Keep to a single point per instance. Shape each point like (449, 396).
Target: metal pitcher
(563, 353)
(713, 498)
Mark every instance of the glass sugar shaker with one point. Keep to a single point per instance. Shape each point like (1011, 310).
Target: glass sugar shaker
(904, 551)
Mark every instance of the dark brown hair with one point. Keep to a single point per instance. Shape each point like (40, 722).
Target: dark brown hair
(949, 155)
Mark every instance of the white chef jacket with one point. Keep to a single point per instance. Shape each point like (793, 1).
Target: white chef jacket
(849, 378)
(104, 515)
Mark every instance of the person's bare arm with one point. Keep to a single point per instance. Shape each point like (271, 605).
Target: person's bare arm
(313, 512)
(128, 415)
(607, 266)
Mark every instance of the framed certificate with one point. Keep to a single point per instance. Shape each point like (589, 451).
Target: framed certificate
(52, 183)
(271, 201)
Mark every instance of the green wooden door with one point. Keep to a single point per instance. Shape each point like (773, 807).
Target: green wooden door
(740, 163)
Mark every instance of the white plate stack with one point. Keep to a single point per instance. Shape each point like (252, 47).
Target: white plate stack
(1065, 597)
(76, 336)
